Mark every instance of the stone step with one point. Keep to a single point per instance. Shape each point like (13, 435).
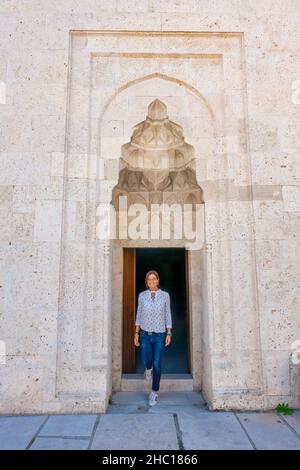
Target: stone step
(168, 382)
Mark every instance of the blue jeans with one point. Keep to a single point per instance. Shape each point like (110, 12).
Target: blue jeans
(152, 348)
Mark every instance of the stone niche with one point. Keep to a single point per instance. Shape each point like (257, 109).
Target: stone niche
(157, 160)
(199, 81)
(157, 167)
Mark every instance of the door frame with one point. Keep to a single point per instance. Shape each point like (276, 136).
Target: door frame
(198, 305)
(129, 308)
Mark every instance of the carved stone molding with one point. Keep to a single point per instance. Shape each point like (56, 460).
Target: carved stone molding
(157, 159)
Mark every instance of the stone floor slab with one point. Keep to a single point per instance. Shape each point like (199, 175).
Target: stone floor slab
(57, 443)
(294, 421)
(165, 398)
(127, 409)
(195, 398)
(16, 432)
(190, 410)
(268, 431)
(135, 432)
(212, 431)
(69, 425)
(129, 398)
(177, 398)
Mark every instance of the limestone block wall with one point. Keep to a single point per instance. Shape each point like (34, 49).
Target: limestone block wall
(68, 99)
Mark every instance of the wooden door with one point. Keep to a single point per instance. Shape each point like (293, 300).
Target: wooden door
(129, 309)
(187, 307)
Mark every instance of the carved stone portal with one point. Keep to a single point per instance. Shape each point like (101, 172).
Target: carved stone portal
(157, 165)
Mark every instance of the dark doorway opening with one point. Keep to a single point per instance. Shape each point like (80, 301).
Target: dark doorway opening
(171, 265)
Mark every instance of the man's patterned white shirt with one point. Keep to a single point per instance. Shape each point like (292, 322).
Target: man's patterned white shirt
(154, 315)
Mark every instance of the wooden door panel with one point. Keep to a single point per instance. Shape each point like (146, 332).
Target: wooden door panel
(187, 307)
(129, 309)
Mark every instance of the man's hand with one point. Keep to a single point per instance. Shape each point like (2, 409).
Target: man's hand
(136, 340)
(168, 340)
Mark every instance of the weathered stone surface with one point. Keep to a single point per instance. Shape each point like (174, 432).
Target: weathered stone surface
(219, 431)
(59, 443)
(268, 431)
(69, 103)
(69, 425)
(17, 432)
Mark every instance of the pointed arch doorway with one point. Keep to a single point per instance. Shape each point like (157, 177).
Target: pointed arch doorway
(157, 175)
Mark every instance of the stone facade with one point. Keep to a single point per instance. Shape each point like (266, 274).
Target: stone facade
(75, 78)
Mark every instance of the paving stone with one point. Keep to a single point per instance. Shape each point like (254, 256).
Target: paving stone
(130, 398)
(175, 398)
(212, 431)
(134, 432)
(195, 398)
(190, 410)
(58, 443)
(69, 425)
(16, 432)
(127, 409)
(294, 421)
(269, 431)
(166, 398)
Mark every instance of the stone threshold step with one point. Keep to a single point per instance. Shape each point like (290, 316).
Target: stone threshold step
(168, 382)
